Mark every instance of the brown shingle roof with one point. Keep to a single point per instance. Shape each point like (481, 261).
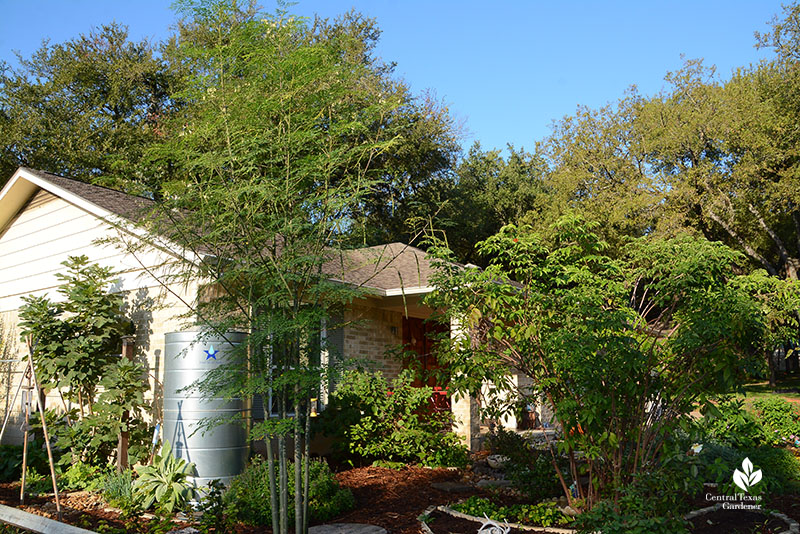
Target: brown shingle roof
(385, 267)
(127, 206)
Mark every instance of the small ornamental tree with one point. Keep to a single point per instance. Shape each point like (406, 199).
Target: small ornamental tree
(77, 338)
(623, 349)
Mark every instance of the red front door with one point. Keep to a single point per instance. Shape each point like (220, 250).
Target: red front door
(419, 337)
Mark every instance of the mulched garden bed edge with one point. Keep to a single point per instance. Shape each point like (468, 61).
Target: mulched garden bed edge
(450, 511)
(794, 526)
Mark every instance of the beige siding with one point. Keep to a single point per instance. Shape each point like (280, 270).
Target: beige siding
(32, 248)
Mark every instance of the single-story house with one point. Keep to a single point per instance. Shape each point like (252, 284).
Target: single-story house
(44, 218)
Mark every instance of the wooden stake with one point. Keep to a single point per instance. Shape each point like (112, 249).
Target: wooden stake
(25, 437)
(39, 403)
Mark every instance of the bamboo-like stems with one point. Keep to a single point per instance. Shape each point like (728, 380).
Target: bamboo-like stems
(298, 465)
(306, 466)
(273, 494)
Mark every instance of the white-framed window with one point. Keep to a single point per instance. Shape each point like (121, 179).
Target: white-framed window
(261, 408)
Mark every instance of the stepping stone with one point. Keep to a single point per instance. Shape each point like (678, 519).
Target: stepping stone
(451, 487)
(346, 528)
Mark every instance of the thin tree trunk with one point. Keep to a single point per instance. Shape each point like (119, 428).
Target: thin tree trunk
(771, 363)
(298, 467)
(273, 493)
(307, 439)
(282, 467)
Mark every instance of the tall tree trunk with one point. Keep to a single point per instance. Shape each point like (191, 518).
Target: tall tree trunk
(771, 364)
(273, 492)
(282, 467)
(298, 466)
(307, 455)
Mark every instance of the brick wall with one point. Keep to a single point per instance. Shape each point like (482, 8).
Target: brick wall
(370, 332)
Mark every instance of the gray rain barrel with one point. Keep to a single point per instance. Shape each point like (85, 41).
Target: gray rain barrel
(221, 452)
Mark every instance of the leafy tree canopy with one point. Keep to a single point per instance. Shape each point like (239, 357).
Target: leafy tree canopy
(86, 108)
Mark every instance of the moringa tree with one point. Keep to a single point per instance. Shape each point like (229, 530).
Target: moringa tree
(283, 132)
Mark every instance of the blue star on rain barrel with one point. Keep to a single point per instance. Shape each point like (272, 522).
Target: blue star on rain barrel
(211, 353)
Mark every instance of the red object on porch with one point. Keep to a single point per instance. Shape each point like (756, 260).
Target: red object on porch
(419, 336)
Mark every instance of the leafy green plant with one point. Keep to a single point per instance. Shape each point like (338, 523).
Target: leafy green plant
(11, 460)
(82, 476)
(588, 327)
(372, 421)
(212, 509)
(544, 514)
(37, 483)
(77, 338)
(728, 422)
(164, 483)
(627, 518)
(246, 500)
(117, 488)
(780, 418)
(531, 470)
(780, 467)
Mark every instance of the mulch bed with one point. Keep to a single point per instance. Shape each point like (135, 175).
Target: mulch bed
(737, 522)
(392, 499)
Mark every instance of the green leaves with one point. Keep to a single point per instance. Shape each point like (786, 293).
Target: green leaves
(164, 482)
(78, 338)
(86, 108)
(608, 340)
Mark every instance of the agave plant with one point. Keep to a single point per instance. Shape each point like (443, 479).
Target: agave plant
(164, 482)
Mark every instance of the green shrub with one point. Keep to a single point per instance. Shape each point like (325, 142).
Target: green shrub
(544, 514)
(37, 483)
(248, 497)
(164, 482)
(372, 421)
(531, 470)
(780, 467)
(731, 424)
(11, 460)
(655, 500)
(117, 488)
(212, 510)
(780, 418)
(628, 518)
(82, 476)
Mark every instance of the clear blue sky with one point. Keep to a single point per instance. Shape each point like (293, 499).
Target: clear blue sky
(507, 68)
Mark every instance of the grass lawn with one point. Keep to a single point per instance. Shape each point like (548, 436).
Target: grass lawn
(788, 387)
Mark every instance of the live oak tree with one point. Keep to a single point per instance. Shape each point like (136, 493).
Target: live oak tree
(87, 108)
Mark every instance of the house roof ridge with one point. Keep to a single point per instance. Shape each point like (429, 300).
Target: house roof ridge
(47, 175)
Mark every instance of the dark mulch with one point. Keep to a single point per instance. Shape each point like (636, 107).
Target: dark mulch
(736, 522)
(80, 508)
(394, 499)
